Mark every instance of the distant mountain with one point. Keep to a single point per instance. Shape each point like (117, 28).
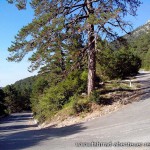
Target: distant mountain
(132, 37)
(26, 83)
(139, 42)
(139, 31)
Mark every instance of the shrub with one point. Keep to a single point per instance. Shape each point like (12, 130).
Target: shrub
(100, 100)
(119, 64)
(81, 105)
(146, 61)
(55, 97)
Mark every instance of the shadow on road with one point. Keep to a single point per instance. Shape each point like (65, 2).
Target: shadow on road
(144, 80)
(16, 117)
(28, 138)
(14, 128)
(25, 137)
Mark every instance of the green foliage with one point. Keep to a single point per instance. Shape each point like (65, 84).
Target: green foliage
(55, 97)
(24, 84)
(119, 63)
(11, 100)
(23, 89)
(17, 96)
(141, 46)
(78, 104)
(81, 105)
(146, 61)
(97, 98)
(39, 85)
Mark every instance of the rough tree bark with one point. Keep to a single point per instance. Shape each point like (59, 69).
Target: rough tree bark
(91, 60)
(91, 52)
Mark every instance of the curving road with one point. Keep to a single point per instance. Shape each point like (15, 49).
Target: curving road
(128, 128)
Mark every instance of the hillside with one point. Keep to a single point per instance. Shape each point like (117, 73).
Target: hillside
(138, 41)
(25, 84)
(138, 31)
(17, 96)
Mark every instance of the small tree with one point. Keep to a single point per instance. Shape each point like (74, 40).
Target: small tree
(12, 102)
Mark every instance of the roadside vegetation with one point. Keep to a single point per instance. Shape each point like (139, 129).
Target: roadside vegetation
(51, 93)
(78, 68)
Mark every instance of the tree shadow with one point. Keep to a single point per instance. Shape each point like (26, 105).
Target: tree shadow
(144, 93)
(104, 101)
(144, 80)
(142, 74)
(12, 118)
(29, 138)
(14, 127)
(116, 90)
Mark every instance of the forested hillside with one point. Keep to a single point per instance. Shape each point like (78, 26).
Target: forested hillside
(137, 41)
(16, 97)
(141, 46)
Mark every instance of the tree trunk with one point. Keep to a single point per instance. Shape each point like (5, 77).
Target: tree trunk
(91, 60)
(91, 50)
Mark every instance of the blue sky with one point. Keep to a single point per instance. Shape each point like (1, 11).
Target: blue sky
(12, 20)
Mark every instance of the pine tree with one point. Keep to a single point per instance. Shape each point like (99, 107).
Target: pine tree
(66, 18)
(12, 101)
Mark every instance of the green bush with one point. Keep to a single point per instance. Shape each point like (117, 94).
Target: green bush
(55, 97)
(146, 61)
(81, 105)
(119, 63)
(13, 102)
(97, 98)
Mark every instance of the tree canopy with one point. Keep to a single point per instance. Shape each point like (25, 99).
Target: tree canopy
(58, 22)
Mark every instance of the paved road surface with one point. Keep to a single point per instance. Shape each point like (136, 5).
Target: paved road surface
(131, 124)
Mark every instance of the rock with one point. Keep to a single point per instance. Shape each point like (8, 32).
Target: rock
(83, 94)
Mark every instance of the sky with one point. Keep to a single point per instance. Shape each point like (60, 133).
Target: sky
(12, 20)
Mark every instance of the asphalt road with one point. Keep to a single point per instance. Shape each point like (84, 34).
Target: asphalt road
(126, 129)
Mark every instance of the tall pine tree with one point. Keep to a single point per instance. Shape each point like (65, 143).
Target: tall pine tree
(66, 18)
